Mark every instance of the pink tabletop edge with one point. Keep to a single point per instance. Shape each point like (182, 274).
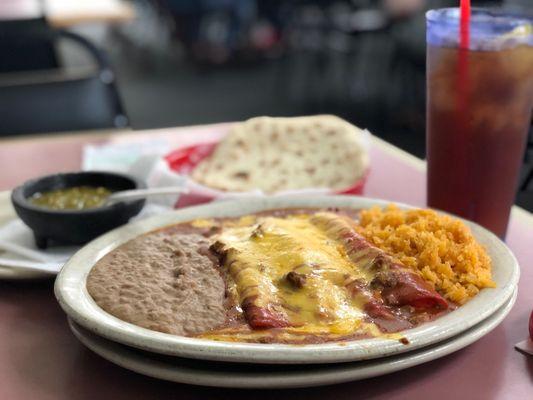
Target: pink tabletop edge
(39, 358)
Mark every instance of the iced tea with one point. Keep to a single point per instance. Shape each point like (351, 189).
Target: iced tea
(479, 104)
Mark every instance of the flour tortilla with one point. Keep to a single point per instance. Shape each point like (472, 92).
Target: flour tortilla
(276, 154)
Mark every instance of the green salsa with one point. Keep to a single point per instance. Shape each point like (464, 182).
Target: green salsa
(73, 198)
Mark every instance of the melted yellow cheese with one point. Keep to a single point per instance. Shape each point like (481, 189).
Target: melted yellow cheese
(203, 223)
(299, 335)
(259, 257)
(246, 220)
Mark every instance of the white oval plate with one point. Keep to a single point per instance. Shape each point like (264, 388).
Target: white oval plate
(71, 292)
(207, 373)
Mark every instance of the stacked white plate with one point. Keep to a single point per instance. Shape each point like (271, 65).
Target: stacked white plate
(204, 362)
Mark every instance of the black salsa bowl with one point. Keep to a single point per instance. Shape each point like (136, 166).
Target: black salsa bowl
(75, 227)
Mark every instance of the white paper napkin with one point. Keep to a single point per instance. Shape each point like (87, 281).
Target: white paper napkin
(18, 250)
(119, 157)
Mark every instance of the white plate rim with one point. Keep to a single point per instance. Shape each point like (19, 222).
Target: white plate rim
(129, 358)
(77, 303)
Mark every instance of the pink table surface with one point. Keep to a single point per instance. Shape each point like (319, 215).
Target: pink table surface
(41, 359)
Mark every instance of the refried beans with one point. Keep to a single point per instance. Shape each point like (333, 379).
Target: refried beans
(166, 281)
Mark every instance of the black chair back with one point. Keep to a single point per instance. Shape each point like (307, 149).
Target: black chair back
(26, 45)
(54, 101)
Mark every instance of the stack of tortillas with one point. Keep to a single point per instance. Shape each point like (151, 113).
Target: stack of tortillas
(277, 154)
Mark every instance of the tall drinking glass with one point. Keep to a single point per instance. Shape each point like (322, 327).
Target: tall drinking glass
(479, 105)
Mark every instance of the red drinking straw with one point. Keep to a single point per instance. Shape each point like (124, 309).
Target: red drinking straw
(462, 88)
(462, 61)
(464, 43)
(465, 24)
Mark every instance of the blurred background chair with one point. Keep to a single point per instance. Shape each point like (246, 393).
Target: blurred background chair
(52, 100)
(25, 45)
